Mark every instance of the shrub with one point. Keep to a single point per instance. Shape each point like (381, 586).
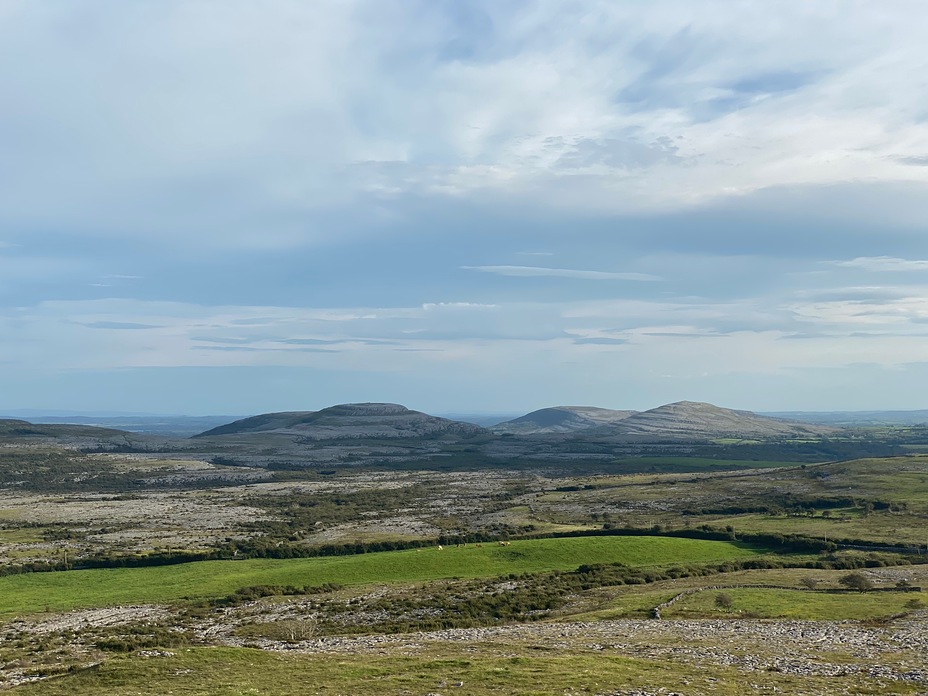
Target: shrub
(856, 581)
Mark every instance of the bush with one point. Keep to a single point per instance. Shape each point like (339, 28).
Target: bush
(856, 581)
(809, 583)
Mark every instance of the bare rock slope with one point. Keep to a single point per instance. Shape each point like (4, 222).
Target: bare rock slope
(694, 420)
(350, 421)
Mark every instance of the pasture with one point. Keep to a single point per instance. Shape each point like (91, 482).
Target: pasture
(63, 591)
(828, 601)
(795, 604)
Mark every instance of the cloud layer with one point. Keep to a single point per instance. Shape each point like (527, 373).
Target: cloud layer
(402, 194)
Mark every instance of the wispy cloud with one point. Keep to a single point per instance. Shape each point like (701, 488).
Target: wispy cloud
(613, 107)
(430, 306)
(914, 160)
(884, 264)
(119, 325)
(541, 272)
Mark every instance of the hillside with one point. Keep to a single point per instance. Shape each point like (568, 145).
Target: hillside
(561, 419)
(349, 421)
(694, 420)
(162, 425)
(266, 422)
(78, 437)
(15, 428)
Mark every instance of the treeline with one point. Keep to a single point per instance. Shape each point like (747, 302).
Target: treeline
(789, 504)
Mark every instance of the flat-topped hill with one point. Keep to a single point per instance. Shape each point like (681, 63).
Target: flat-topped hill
(366, 420)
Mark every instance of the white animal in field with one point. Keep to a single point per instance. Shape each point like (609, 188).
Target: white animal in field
(441, 548)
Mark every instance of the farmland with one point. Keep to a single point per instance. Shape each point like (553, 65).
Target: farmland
(153, 572)
(210, 579)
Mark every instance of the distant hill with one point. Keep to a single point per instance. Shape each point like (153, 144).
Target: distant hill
(856, 418)
(694, 420)
(349, 421)
(484, 420)
(561, 419)
(85, 437)
(266, 422)
(168, 426)
(15, 428)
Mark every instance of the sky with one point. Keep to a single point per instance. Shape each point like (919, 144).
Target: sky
(219, 206)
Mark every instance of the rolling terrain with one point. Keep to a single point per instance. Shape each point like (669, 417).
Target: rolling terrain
(391, 435)
(422, 553)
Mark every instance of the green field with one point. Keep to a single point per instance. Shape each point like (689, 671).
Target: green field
(62, 591)
(830, 601)
(794, 604)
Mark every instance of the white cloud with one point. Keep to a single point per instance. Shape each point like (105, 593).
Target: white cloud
(107, 334)
(196, 130)
(430, 306)
(536, 272)
(884, 264)
(219, 120)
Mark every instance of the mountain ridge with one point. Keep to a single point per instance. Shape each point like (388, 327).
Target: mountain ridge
(678, 420)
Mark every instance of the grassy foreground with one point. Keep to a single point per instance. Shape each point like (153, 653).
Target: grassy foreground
(524, 670)
(63, 591)
(796, 604)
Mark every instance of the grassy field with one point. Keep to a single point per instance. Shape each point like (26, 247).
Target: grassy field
(793, 604)
(879, 527)
(62, 591)
(637, 601)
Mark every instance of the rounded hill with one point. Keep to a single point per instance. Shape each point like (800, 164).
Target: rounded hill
(561, 419)
(349, 421)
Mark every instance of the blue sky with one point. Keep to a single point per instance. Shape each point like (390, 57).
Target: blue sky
(237, 207)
